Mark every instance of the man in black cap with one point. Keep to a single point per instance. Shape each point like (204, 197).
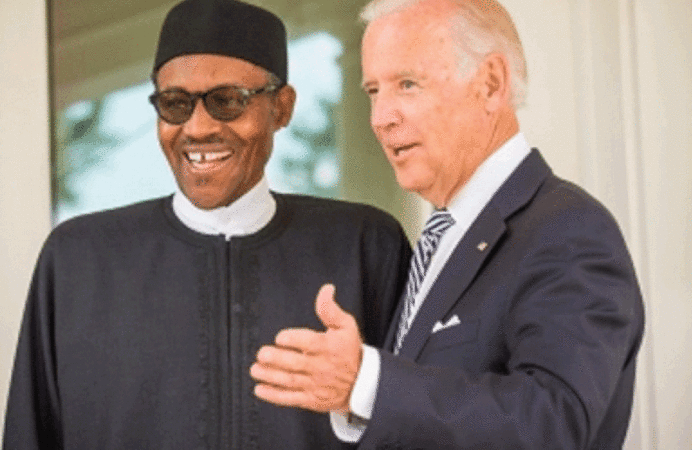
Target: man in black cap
(142, 322)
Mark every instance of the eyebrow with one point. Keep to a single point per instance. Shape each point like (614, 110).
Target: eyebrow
(397, 76)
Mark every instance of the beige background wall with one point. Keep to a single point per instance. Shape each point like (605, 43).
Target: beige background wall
(664, 49)
(610, 105)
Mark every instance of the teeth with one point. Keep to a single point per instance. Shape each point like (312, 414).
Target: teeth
(199, 157)
(194, 156)
(216, 156)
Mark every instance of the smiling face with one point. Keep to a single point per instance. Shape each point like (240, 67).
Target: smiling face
(433, 126)
(216, 162)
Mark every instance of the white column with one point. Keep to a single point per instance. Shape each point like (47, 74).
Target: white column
(24, 163)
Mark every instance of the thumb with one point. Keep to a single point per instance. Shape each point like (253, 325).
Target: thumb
(329, 312)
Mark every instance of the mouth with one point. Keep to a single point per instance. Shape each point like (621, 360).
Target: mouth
(398, 150)
(205, 161)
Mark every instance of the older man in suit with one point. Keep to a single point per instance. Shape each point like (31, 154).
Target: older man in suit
(522, 317)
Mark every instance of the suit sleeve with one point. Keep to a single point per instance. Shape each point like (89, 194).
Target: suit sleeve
(32, 419)
(571, 328)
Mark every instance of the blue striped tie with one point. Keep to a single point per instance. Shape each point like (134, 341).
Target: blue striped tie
(435, 227)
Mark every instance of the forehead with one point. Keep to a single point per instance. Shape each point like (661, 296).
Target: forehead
(414, 41)
(203, 71)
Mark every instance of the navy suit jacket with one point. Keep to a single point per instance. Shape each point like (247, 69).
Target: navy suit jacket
(551, 319)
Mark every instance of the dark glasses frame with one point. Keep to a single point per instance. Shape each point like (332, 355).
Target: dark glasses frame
(243, 99)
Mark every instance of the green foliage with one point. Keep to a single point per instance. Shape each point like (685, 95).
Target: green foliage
(79, 146)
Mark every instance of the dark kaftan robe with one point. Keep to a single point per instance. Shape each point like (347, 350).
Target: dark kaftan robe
(139, 332)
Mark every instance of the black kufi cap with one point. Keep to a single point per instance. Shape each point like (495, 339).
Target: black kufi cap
(224, 27)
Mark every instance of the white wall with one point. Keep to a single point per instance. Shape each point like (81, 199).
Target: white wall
(24, 162)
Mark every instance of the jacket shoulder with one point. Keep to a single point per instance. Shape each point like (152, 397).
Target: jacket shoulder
(557, 197)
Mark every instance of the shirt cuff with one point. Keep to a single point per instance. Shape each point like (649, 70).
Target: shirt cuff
(362, 399)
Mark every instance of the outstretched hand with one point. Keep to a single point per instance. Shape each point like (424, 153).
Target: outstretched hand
(311, 369)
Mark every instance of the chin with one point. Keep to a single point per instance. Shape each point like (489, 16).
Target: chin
(408, 182)
(208, 205)
(203, 201)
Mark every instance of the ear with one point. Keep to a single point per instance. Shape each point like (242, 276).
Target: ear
(495, 78)
(284, 101)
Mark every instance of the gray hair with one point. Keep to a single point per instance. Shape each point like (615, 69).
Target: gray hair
(477, 32)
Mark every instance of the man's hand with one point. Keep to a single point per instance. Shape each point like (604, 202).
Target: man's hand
(310, 369)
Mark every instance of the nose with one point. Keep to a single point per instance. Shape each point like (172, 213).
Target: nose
(201, 124)
(384, 112)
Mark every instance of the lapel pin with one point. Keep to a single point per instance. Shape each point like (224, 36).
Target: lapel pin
(482, 246)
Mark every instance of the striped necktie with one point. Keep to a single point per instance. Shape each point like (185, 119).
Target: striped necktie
(435, 227)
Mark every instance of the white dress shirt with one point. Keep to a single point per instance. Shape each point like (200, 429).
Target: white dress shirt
(248, 214)
(465, 207)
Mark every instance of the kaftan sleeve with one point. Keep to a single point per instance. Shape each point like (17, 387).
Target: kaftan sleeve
(32, 419)
(389, 258)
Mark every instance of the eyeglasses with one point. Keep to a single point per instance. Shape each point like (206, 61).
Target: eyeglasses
(224, 103)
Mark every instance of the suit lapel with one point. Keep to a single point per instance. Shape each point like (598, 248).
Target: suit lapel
(394, 325)
(457, 274)
(467, 259)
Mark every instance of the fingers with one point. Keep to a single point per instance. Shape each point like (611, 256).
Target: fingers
(300, 339)
(310, 369)
(328, 311)
(296, 398)
(278, 378)
(300, 384)
(282, 358)
(280, 396)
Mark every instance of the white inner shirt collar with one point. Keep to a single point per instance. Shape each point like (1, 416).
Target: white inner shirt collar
(468, 203)
(248, 214)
